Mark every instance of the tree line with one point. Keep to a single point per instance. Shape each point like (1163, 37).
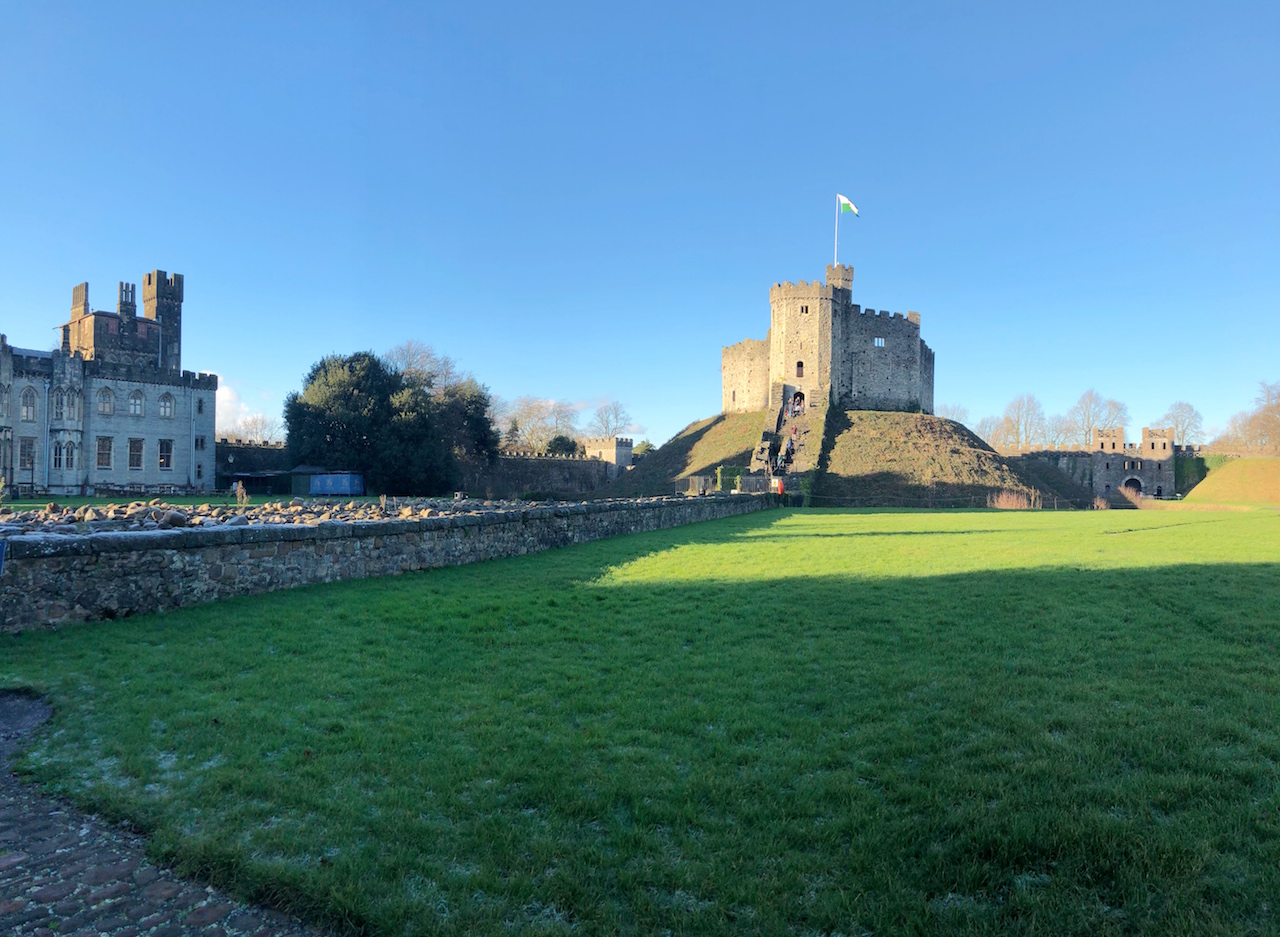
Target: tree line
(1255, 431)
(1025, 423)
(413, 422)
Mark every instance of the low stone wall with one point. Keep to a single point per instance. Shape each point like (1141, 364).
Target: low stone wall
(50, 579)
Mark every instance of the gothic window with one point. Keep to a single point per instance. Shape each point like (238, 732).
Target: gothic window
(199, 443)
(199, 471)
(879, 342)
(106, 405)
(28, 406)
(4, 401)
(105, 445)
(135, 403)
(27, 453)
(71, 455)
(166, 454)
(166, 406)
(59, 404)
(804, 310)
(799, 369)
(74, 406)
(199, 405)
(57, 455)
(135, 455)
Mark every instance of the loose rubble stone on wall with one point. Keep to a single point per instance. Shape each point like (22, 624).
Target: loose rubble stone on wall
(52, 578)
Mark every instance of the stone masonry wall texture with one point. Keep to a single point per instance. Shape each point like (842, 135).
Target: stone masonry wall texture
(52, 579)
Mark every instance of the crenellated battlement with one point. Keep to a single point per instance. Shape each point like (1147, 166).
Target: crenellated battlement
(823, 347)
(801, 289)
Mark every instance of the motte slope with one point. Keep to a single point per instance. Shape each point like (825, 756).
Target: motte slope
(876, 458)
(1240, 481)
(726, 439)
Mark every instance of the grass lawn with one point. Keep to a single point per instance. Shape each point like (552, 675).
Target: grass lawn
(806, 722)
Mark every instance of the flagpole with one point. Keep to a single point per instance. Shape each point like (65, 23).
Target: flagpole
(835, 259)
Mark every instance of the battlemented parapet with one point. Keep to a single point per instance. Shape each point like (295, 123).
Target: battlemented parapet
(110, 407)
(1110, 463)
(823, 347)
(615, 450)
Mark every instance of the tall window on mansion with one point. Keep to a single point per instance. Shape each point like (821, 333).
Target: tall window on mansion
(166, 454)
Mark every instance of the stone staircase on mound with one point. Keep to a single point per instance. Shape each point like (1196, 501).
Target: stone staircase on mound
(777, 428)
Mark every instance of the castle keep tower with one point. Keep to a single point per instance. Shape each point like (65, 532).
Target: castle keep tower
(824, 347)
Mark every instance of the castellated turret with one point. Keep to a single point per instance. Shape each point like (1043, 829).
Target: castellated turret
(162, 303)
(824, 347)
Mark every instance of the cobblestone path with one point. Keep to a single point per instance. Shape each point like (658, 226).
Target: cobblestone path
(63, 872)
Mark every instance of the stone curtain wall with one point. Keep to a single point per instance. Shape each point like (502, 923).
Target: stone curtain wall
(513, 476)
(52, 579)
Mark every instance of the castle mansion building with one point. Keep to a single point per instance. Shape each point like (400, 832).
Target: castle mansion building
(111, 409)
(823, 347)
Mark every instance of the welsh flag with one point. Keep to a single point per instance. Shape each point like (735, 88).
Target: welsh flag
(846, 205)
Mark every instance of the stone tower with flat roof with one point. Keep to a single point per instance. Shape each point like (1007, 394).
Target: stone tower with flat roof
(825, 348)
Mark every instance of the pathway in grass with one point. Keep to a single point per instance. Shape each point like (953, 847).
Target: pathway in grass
(64, 872)
(806, 722)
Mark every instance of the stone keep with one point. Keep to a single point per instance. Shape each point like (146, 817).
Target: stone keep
(829, 349)
(111, 407)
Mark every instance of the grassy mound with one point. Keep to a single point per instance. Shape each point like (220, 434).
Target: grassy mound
(1240, 481)
(797, 722)
(726, 439)
(909, 459)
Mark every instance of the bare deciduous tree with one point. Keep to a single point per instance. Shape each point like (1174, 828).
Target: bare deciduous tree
(535, 420)
(949, 411)
(1188, 425)
(1023, 421)
(610, 419)
(1258, 430)
(258, 427)
(1058, 430)
(1092, 412)
(424, 367)
(990, 431)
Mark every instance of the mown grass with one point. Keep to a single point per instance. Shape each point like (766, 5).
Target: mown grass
(810, 722)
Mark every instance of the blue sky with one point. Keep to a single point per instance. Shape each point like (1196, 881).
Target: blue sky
(586, 202)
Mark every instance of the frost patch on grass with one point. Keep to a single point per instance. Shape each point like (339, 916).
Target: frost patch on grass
(952, 902)
(680, 900)
(536, 917)
(1030, 881)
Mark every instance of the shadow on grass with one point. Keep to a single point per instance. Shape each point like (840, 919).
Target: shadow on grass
(543, 743)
